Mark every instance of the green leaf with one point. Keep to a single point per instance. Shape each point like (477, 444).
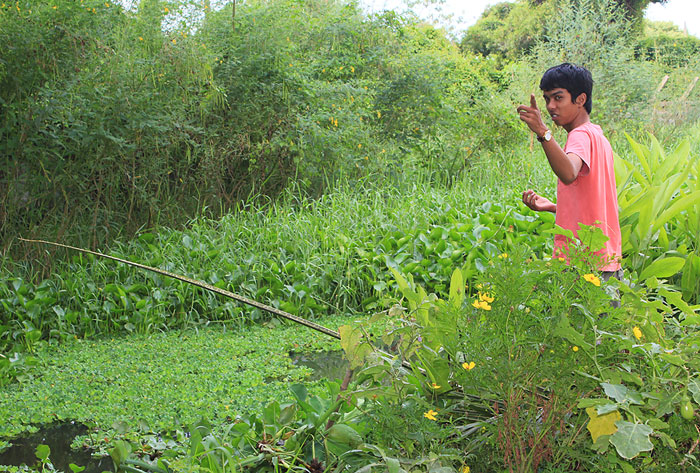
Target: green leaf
(557, 230)
(42, 452)
(565, 330)
(299, 391)
(679, 205)
(676, 299)
(592, 237)
(457, 288)
(75, 468)
(120, 452)
(626, 467)
(392, 465)
(663, 267)
(631, 439)
(642, 154)
(621, 393)
(355, 347)
(694, 387)
(592, 402)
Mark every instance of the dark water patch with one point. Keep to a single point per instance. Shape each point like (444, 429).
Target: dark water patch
(325, 364)
(59, 438)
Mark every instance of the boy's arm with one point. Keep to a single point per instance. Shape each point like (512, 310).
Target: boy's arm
(565, 166)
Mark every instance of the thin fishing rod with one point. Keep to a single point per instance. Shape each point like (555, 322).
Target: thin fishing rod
(217, 290)
(203, 285)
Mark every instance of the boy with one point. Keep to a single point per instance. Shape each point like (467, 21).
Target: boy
(586, 190)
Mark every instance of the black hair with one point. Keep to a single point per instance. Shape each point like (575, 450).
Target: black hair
(575, 79)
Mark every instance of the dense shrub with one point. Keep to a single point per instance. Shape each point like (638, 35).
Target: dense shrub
(669, 51)
(133, 119)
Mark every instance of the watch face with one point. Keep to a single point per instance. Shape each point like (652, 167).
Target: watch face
(548, 135)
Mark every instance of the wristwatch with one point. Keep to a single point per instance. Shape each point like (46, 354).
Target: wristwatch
(546, 137)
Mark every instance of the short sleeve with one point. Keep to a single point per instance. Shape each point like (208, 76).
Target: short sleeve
(579, 143)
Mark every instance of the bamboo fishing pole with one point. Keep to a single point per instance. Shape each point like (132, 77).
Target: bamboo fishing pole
(217, 290)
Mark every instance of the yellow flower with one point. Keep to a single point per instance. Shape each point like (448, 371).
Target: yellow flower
(484, 305)
(527, 310)
(503, 255)
(563, 260)
(486, 297)
(575, 348)
(379, 114)
(465, 469)
(592, 278)
(637, 333)
(140, 38)
(352, 69)
(166, 10)
(359, 145)
(468, 366)
(430, 415)
(174, 41)
(435, 386)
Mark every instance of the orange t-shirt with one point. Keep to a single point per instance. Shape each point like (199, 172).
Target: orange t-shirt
(592, 197)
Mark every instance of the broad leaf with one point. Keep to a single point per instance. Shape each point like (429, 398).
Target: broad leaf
(663, 267)
(42, 452)
(694, 387)
(355, 347)
(621, 393)
(631, 439)
(457, 288)
(601, 424)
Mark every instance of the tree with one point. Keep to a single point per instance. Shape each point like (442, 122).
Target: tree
(508, 29)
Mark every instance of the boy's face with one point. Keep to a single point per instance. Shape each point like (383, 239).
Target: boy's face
(561, 108)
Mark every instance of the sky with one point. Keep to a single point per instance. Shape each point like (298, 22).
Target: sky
(684, 13)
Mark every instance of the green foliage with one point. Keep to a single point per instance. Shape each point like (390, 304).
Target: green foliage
(659, 202)
(160, 381)
(508, 30)
(155, 121)
(330, 258)
(535, 342)
(669, 51)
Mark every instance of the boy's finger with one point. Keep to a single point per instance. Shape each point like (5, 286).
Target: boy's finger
(533, 102)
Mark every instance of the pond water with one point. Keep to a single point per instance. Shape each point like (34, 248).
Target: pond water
(59, 438)
(325, 364)
(329, 364)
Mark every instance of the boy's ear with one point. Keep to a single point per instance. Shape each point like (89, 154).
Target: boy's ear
(581, 99)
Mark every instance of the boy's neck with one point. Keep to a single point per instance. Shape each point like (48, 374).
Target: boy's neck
(581, 119)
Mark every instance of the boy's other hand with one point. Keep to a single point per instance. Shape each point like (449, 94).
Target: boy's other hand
(537, 202)
(532, 116)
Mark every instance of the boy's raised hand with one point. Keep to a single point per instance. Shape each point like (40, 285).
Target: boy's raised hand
(532, 116)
